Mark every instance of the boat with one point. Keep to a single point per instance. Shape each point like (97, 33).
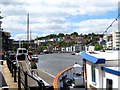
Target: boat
(101, 69)
(24, 57)
(21, 56)
(69, 78)
(21, 53)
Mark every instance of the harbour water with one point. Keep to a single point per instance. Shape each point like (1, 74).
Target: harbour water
(54, 63)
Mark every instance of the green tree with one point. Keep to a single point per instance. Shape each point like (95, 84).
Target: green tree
(98, 47)
(74, 34)
(14, 48)
(60, 35)
(41, 48)
(51, 36)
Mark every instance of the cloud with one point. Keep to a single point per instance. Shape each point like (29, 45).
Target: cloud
(47, 19)
(24, 36)
(13, 24)
(55, 16)
(11, 2)
(96, 26)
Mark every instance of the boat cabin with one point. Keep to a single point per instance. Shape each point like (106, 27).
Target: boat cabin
(21, 55)
(101, 69)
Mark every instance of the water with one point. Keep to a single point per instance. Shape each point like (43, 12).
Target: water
(54, 63)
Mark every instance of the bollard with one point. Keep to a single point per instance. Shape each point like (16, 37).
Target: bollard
(26, 83)
(19, 79)
(15, 72)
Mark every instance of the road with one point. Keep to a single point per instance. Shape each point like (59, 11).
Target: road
(54, 63)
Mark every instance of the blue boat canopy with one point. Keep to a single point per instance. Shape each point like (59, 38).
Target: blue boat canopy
(92, 59)
(111, 71)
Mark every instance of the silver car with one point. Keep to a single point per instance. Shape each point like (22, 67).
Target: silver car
(35, 58)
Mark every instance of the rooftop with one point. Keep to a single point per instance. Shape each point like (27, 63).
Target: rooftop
(107, 55)
(107, 58)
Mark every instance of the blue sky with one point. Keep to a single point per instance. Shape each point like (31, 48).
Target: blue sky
(57, 16)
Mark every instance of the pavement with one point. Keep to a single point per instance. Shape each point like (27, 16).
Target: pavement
(46, 77)
(8, 77)
(8, 80)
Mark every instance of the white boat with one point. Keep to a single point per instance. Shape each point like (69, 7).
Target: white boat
(101, 69)
(21, 54)
(22, 58)
(71, 77)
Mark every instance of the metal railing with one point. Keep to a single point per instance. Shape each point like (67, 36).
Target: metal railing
(21, 77)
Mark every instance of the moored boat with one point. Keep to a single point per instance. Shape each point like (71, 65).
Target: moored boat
(71, 77)
(101, 69)
(21, 55)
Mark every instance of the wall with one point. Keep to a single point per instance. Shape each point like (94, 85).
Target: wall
(110, 76)
(98, 73)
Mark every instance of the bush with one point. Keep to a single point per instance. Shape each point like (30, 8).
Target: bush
(98, 47)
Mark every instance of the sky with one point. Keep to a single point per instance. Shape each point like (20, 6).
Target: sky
(57, 16)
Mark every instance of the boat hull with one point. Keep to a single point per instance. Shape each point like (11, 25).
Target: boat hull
(70, 77)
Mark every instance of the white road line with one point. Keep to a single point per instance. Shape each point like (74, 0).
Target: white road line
(47, 73)
(37, 77)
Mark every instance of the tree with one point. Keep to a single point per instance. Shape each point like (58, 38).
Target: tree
(51, 36)
(60, 35)
(74, 34)
(98, 47)
(41, 48)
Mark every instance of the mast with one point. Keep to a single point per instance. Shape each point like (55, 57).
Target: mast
(20, 43)
(28, 30)
(30, 37)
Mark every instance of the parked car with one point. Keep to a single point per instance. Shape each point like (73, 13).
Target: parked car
(35, 58)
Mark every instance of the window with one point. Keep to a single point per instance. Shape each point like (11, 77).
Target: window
(20, 51)
(24, 51)
(93, 73)
(109, 84)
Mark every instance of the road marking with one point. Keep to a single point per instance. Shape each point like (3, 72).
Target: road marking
(37, 77)
(47, 73)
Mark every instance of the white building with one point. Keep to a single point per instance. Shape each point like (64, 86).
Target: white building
(116, 39)
(113, 40)
(101, 69)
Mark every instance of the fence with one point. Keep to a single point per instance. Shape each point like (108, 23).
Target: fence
(22, 76)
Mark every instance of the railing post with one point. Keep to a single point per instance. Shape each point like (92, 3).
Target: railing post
(1, 62)
(19, 79)
(41, 85)
(15, 72)
(9, 63)
(26, 83)
(12, 66)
